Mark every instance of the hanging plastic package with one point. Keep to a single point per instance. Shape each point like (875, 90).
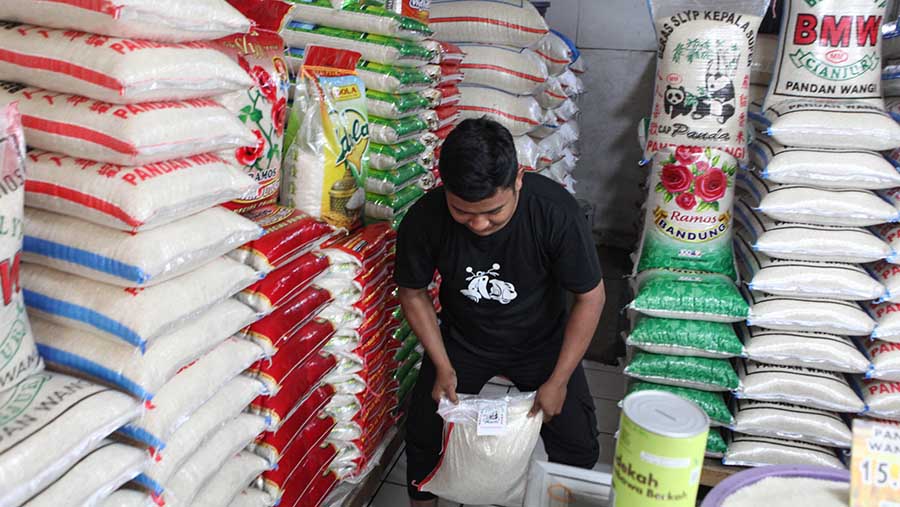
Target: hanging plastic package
(325, 167)
(689, 211)
(703, 73)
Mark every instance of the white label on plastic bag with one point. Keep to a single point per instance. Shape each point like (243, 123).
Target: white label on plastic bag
(492, 418)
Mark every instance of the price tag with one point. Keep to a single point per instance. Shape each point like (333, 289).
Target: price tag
(492, 418)
(875, 466)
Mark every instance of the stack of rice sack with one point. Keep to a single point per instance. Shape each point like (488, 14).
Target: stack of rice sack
(817, 217)
(687, 298)
(445, 116)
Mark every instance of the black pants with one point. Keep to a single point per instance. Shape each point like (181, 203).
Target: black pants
(570, 438)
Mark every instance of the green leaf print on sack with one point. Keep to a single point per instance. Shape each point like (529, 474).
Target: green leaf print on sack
(686, 338)
(712, 403)
(714, 375)
(689, 295)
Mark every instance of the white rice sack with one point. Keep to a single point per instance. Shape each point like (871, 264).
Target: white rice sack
(519, 114)
(568, 110)
(359, 18)
(763, 64)
(204, 464)
(128, 498)
(18, 356)
(804, 204)
(230, 480)
(701, 92)
(822, 351)
(555, 52)
(134, 134)
(226, 404)
(888, 275)
(799, 386)
(550, 94)
(121, 365)
(136, 316)
(373, 48)
(809, 123)
(194, 385)
(94, 477)
(50, 422)
(885, 360)
(527, 152)
(815, 315)
(132, 198)
(887, 315)
(790, 422)
(128, 259)
(252, 497)
(507, 22)
(513, 70)
(810, 242)
(572, 84)
(818, 167)
(752, 451)
(882, 398)
(156, 20)
(110, 69)
(804, 279)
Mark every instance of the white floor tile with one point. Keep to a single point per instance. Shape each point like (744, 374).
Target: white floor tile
(397, 474)
(608, 385)
(607, 412)
(390, 495)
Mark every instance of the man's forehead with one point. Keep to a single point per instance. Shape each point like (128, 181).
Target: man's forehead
(499, 199)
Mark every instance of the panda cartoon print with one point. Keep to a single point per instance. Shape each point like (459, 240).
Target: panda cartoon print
(676, 102)
(719, 101)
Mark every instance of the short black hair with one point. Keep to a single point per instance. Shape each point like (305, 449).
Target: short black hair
(478, 159)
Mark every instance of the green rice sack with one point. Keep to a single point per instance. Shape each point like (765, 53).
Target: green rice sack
(385, 157)
(388, 131)
(375, 48)
(705, 374)
(689, 295)
(395, 106)
(686, 338)
(406, 348)
(387, 207)
(712, 403)
(715, 444)
(393, 181)
(408, 382)
(359, 17)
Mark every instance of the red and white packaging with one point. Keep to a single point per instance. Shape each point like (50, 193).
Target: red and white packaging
(282, 285)
(885, 357)
(110, 69)
(513, 70)
(449, 95)
(451, 74)
(293, 482)
(451, 53)
(295, 439)
(882, 398)
(511, 23)
(302, 350)
(272, 331)
(555, 52)
(289, 234)
(135, 134)
(284, 411)
(364, 248)
(551, 94)
(519, 114)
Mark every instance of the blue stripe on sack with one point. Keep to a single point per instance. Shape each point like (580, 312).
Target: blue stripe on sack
(148, 483)
(762, 154)
(79, 364)
(85, 258)
(71, 311)
(574, 49)
(142, 436)
(758, 117)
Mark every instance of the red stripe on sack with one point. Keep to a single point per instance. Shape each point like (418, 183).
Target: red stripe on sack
(474, 19)
(484, 66)
(556, 95)
(101, 6)
(88, 201)
(62, 67)
(444, 445)
(499, 113)
(554, 60)
(78, 132)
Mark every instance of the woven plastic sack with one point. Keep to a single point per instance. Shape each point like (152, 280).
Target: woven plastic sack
(821, 351)
(513, 70)
(689, 295)
(834, 169)
(805, 387)
(790, 422)
(507, 22)
(814, 315)
(550, 94)
(128, 259)
(686, 338)
(711, 403)
(134, 134)
(882, 398)
(387, 131)
(229, 480)
(572, 84)
(705, 374)
(325, 167)
(120, 71)
(688, 219)
(386, 207)
(885, 360)
(703, 74)
(753, 451)
(360, 18)
(519, 114)
(67, 418)
(527, 152)
(888, 317)
(136, 316)
(289, 234)
(485, 463)
(156, 20)
(555, 52)
(94, 477)
(134, 198)
(374, 48)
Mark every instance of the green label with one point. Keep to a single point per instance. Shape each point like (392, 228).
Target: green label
(21, 397)
(807, 60)
(12, 342)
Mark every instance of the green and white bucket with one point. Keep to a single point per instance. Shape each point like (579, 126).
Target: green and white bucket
(659, 451)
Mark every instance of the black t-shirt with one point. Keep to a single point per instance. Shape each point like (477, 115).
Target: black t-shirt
(502, 294)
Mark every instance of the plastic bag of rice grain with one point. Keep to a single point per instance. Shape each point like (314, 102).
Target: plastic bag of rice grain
(18, 356)
(514, 23)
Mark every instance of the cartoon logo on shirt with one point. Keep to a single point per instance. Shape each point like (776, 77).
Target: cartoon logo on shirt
(485, 285)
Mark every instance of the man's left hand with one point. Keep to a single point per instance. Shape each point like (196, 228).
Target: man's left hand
(549, 399)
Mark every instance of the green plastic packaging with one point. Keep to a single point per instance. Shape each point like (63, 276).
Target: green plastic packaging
(395, 106)
(390, 79)
(689, 295)
(413, 360)
(406, 348)
(715, 375)
(407, 383)
(388, 131)
(712, 403)
(715, 444)
(395, 180)
(351, 13)
(686, 338)
(407, 50)
(402, 332)
(385, 157)
(388, 207)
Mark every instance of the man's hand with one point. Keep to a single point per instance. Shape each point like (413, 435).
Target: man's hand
(445, 385)
(549, 399)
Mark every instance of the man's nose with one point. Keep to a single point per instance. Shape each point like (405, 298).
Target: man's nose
(479, 224)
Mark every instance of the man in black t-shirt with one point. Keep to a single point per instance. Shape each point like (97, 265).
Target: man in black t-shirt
(508, 246)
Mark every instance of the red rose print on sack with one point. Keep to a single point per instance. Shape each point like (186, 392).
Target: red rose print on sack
(711, 185)
(247, 155)
(279, 115)
(687, 155)
(676, 178)
(686, 201)
(265, 83)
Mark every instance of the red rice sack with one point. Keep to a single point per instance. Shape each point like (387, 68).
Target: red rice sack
(296, 477)
(288, 415)
(282, 285)
(289, 233)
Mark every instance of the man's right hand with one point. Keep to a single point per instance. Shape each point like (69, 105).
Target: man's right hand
(445, 386)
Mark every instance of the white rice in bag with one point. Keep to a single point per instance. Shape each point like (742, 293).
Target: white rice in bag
(128, 259)
(519, 114)
(550, 94)
(252, 497)
(230, 480)
(555, 52)
(888, 275)
(156, 20)
(805, 204)
(514, 23)
(110, 69)
(513, 70)
(50, 422)
(810, 242)
(821, 351)
(885, 360)
(819, 167)
(809, 123)
(887, 315)
(572, 84)
(94, 477)
(132, 198)
(117, 363)
(135, 134)
(527, 152)
(194, 385)
(882, 398)
(751, 451)
(799, 386)
(815, 315)
(128, 498)
(374, 48)
(366, 19)
(136, 316)
(804, 279)
(790, 422)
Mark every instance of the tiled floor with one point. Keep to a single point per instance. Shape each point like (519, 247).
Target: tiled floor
(607, 386)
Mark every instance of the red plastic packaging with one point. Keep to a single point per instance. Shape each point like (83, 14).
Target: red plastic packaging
(279, 287)
(290, 409)
(451, 74)
(451, 53)
(292, 482)
(289, 233)
(448, 116)
(287, 320)
(366, 246)
(449, 94)
(299, 348)
(314, 494)
(300, 382)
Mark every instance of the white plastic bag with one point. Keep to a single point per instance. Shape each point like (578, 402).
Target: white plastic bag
(230, 480)
(513, 70)
(487, 451)
(514, 23)
(519, 114)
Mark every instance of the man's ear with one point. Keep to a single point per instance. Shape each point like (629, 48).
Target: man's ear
(519, 175)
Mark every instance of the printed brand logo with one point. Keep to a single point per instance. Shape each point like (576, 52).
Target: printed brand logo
(348, 92)
(353, 135)
(21, 397)
(11, 343)
(807, 60)
(668, 224)
(852, 32)
(486, 285)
